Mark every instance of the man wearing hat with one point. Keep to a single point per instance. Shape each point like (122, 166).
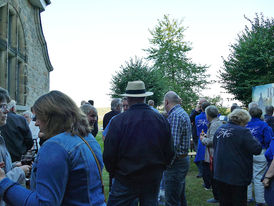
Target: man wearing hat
(137, 149)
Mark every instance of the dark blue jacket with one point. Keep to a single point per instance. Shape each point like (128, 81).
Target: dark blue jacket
(261, 131)
(234, 147)
(17, 136)
(138, 146)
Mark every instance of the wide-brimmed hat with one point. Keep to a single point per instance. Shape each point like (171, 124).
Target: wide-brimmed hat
(136, 89)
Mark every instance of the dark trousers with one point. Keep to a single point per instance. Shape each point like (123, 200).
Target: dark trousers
(208, 180)
(232, 195)
(126, 195)
(207, 175)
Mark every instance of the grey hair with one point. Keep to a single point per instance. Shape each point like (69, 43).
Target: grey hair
(252, 104)
(12, 104)
(212, 111)
(115, 103)
(269, 110)
(86, 108)
(29, 113)
(173, 97)
(239, 116)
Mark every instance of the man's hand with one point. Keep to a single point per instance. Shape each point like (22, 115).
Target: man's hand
(26, 169)
(266, 182)
(202, 136)
(198, 108)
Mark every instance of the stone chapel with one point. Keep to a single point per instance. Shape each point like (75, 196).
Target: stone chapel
(24, 59)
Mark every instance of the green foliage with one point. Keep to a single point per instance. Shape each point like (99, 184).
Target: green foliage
(137, 69)
(168, 53)
(250, 62)
(218, 102)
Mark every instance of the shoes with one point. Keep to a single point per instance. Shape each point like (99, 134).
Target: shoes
(250, 201)
(206, 188)
(199, 176)
(212, 200)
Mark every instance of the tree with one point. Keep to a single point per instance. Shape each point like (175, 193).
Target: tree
(168, 53)
(137, 69)
(250, 62)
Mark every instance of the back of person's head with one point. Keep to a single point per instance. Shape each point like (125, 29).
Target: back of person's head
(255, 112)
(234, 106)
(173, 98)
(205, 105)
(5, 93)
(239, 117)
(91, 102)
(60, 114)
(116, 104)
(212, 111)
(269, 110)
(86, 108)
(150, 102)
(252, 104)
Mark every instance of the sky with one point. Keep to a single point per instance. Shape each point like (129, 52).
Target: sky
(88, 40)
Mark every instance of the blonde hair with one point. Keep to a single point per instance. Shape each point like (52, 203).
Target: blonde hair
(60, 114)
(239, 116)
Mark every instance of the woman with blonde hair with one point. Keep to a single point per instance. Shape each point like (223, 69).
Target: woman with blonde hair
(234, 147)
(68, 165)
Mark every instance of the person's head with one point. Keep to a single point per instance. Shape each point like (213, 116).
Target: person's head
(5, 93)
(171, 99)
(234, 106)
(28, 116)
(239, 116)
(3, 109)
(125, 104)
(91, 102)
(201, 101)
(255, 112)
(91, 113)
(150, 102)
(56, 113)
(252, 104)
(83, 102)
(205, 105)
(269, 110)
(12, 106)
(136, 92)
(211, 112)
(116, 105)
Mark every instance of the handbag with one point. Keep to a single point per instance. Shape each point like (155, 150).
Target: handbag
(98, 166)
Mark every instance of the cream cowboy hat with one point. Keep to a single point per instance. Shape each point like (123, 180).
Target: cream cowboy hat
(136, 89)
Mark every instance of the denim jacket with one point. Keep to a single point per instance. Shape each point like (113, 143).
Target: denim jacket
(64, 173)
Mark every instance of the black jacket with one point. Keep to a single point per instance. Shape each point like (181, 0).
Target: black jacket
(234, 147)
(17, 136)
(138, 146)
(107, 117)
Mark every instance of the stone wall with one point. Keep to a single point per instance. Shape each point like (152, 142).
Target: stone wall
(37, 65)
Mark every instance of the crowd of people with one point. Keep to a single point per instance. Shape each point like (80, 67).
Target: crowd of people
(145, 152)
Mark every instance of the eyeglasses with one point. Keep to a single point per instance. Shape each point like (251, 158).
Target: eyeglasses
(3, 107)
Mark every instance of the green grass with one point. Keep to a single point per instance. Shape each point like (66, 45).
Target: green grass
(195, 193)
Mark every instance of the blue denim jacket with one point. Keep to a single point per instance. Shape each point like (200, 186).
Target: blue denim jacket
(64, 173)
(261, 131)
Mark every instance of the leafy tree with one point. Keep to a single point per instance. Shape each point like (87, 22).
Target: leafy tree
(218, 102)
(250, 62)
(137, 69)
(168, 51)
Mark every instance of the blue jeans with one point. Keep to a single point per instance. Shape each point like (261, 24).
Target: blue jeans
(175, 182)
(125, 195)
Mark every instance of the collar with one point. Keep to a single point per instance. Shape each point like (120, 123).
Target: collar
(139, 106)
(173, 109)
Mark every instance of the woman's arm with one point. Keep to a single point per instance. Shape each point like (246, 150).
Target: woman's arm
(269, 174)
(51, 179)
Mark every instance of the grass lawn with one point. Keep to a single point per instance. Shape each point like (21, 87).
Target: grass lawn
(195, 193)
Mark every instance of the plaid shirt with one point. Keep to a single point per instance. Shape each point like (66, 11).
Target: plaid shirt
(180, 129)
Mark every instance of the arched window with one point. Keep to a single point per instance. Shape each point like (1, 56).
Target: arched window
(12, 54)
